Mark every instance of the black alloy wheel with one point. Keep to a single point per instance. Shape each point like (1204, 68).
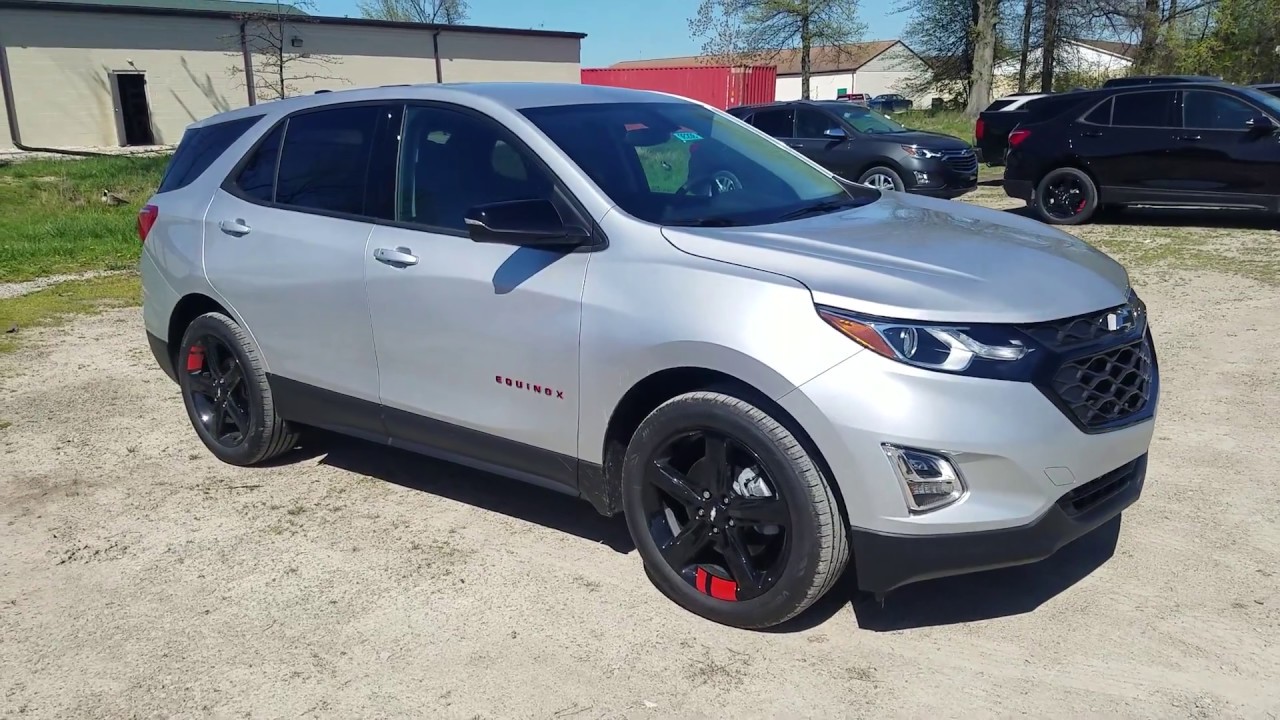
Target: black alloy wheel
(730, 510)
(1066, 196)
(218, 392)
(715, 516)
(226, 393)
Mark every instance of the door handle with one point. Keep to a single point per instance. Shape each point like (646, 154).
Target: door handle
(401, 256)
(1189, 138)
(1091, 134)
(235, 227)
(796, 145)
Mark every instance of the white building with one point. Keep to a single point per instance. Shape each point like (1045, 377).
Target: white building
(1086, 61)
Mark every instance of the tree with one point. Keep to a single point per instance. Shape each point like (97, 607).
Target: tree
(1024, 46)
(760, 30)
(273, 66)
(986, 17)
(434, 12)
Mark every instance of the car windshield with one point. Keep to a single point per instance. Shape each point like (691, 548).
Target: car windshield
(869, 122)
(1267, 101)
(677, 163)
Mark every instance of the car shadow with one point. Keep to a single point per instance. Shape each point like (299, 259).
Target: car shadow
(966, 598)
(476, 488)
(1175, 217)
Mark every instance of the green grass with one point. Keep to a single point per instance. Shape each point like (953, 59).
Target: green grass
(942, 121)
(52, 219)
(55, 305)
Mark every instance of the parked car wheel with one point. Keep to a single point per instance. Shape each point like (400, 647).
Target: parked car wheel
(732, 517)
(882, 178)
(226, 394)
(1066, 196)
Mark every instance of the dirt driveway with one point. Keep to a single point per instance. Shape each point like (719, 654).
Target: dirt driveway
(140, 578)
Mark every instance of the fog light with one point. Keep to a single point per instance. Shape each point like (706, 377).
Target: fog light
(922, 178)
(929, 481)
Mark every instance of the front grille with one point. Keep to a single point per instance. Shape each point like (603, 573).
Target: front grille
(1097, 491)
(1073, 331)
(961, 161)
(1108, 387)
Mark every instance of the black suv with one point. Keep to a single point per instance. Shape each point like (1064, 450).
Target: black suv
(864, 146)
(1178, 145)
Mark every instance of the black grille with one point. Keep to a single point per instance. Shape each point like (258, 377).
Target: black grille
(1099, 490)
(1106, 388)
(1073, 331)
(963, 161)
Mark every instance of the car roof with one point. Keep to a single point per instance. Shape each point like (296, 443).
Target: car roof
(512, 95)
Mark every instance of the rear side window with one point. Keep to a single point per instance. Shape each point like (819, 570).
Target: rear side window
(257, 179)
(778, 123)
(1100, 115)
(1144, 109)
(325, 159)
(199, 147)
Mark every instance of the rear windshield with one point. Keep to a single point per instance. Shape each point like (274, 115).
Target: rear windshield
(1000, 105)
(199, 147)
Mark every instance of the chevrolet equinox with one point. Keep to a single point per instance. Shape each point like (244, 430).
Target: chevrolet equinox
(644, 302)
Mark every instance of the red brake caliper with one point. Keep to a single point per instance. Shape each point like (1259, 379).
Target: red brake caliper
(715, 586)
(195, 359)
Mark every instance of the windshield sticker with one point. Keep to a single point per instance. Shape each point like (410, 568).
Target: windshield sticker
(687, 136)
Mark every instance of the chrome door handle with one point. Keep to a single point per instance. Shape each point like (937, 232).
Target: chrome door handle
(402, 256)
(1189, 138)
(234, 227)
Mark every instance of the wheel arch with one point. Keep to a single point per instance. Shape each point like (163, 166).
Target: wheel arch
(1074, 162)
(881, 162)
(187, 309)
(643, 397)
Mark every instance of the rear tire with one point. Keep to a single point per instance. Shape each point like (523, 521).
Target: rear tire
(226, 393)
(1066, 196)
(764, 535)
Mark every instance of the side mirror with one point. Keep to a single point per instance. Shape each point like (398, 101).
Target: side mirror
(521, 222)
(836, 133)
(1261, 124)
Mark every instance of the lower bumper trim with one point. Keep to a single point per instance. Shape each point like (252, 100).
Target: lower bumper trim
(884, 562)
(1020, 189)
(160, 349)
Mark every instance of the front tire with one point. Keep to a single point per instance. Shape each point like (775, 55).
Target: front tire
(1066, 196)
(732, 517)
(882, 178)
(226, 393)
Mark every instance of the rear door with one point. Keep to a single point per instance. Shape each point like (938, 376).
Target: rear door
(1217, 153)
(285, 241)
(778, 122)
(1127, 141)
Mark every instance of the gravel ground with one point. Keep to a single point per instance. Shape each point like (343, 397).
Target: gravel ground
(141, 578)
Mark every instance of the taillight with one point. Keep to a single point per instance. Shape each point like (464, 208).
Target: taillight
(978, 129)
(146, 218)
(1017, 136)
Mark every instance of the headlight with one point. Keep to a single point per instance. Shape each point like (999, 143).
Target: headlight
(919, 152)
(983, 350)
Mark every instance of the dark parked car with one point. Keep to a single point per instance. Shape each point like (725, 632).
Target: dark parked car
(864, 146)
(992, 128)
(890, 103)
(1184, 145)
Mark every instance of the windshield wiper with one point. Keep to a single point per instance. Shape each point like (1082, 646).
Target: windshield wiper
(707, 222)
(825, 206)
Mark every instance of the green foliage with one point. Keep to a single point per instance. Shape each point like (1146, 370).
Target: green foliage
(53, 305)
(52, 219)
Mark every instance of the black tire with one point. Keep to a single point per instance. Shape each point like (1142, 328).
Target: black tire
(1066, 196)
(887, 172)
(267, 435)
(814, 544)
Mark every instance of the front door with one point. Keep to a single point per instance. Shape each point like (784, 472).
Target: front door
(477, 343)
(812, 141)
(289, 246)
(1217, 152)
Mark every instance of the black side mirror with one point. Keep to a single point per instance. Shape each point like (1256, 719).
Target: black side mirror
(1261, 124)
(836, 133)
(521, 222)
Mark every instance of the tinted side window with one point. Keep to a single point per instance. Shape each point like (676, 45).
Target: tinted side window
(812, 124)
(257, 179)
(325, 159)
(778, 123)
(1100, 115)
(1144, 109)
(198, 149)
(1208, 110)
(451, 162)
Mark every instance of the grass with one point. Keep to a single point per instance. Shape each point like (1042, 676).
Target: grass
(55, 305)
(946, 122)
(52, 219)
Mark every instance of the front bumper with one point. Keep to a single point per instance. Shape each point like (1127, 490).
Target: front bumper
(944, 181)
(885, 561)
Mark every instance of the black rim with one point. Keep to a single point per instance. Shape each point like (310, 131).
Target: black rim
(716, 516)
(219, 394)
(1065, 197)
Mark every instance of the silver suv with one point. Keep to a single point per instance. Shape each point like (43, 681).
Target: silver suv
(641, 301)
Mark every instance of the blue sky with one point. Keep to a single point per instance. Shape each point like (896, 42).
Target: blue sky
(621, 29)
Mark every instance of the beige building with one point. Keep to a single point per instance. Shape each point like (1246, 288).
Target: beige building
(94, 73)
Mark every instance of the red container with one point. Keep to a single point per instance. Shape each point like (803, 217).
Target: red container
(722, 86)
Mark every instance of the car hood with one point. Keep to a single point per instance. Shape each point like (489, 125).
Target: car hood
(933, 141)
(918, 258)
